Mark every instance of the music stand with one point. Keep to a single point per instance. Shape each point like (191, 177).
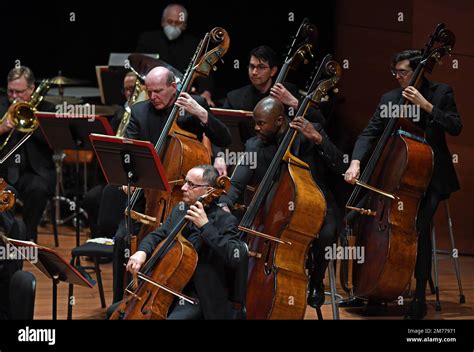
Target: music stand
(51, 264)
(129, 162)
(72, 132)
(233, 119)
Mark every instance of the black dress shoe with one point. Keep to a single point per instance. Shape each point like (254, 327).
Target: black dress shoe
(352, 302)
(416, 311)
(316, 295)
(374, 308)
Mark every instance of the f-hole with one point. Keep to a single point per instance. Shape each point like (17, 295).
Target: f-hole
(163, 211)
(145, 311)
(268, 266)
(382, 225)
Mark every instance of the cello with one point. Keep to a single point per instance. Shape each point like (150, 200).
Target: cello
(397, 176)
(178, 149)
(166, 273)
(284, 217)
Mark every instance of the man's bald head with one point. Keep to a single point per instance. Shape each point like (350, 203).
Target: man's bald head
(269, 106)
(269, 117)
(160, 75)
(161, 87)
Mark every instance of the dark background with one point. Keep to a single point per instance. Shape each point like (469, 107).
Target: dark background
(42, 36)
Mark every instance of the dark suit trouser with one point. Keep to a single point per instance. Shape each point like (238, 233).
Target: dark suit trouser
(427, 210)
(327, 236)
(34, 191)
(120, 257)
(91, 205)
(105, 205)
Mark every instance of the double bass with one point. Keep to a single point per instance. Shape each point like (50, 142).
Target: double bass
(178, 149)
(301, 50)
(166, 273)
(396, 176)
(283, 218)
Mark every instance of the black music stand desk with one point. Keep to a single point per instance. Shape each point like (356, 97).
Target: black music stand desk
(72, 132)
(129, 162)
(51, 264)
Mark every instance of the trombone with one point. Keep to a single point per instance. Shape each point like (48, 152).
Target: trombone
(22, 116)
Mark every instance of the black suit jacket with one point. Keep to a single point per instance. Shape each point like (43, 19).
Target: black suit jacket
(444, 118)
(325, 161)
(246, 97)
(35, 153)
(217, 244)
(146, 123)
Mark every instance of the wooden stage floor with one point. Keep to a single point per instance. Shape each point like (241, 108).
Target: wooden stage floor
(88, 304)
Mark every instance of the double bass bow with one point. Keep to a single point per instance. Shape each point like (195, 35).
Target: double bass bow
(166, 272)
(283, 218)
(397, 176)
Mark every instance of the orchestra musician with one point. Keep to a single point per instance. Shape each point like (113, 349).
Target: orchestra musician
(262, 68)
(438, 116)
(147, 121)
(317, 150)
(30, 170)
(214, 235)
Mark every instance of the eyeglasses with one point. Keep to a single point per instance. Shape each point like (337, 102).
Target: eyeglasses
(402, 73)
(192, 185)
(18, 92)
(260, 67)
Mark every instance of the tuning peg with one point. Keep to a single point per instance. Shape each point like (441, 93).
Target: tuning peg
(325, 99)
(214, 68)
(336, 90)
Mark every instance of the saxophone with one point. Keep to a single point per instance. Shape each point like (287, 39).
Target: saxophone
(139, 94)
